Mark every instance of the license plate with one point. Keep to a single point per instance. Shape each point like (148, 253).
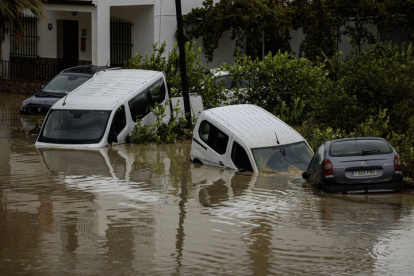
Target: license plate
(364, 173)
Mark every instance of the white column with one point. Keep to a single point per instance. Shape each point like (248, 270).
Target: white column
(101, 34)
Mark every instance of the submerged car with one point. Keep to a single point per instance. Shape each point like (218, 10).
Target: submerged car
(223, 77)
(248, 138)
(364, 164)
(64, 83)
(105, 110)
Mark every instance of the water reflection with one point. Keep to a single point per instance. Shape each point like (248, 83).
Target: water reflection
(147, 210)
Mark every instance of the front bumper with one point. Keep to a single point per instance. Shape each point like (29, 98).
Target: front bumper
(34, 110)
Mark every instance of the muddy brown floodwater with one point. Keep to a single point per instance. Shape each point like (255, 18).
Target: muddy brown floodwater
(147, 210)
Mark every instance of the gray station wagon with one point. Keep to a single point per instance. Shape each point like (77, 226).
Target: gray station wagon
(365, 164)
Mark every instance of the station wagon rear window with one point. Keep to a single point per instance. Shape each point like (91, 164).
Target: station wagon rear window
(359, 147)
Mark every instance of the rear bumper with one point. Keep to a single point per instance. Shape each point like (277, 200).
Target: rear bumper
(396, 184)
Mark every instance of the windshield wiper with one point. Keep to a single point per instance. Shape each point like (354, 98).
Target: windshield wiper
(367, 152)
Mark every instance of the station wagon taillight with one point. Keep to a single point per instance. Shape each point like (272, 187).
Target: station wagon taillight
(397, 163)
(327, 167)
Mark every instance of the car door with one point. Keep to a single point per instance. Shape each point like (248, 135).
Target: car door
(314, 166)
(214, 143)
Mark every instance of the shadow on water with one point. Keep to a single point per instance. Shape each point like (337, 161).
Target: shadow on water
(147, 210)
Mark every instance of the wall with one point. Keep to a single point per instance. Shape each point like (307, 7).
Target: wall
(142, 18)
(166, 26)
(344, 45)
(49, 40)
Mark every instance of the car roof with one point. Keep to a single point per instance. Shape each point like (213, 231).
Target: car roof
(107, 89)
(254, 126)
(85, 69)
(354, 138)
(219, 72)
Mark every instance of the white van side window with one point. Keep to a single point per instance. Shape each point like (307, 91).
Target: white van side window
(240, 158)
(139, 106)
(213, 137)
(157, 91)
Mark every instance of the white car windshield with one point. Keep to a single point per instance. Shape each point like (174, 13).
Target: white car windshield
(74, 126)
(284, 158)
(64, 84)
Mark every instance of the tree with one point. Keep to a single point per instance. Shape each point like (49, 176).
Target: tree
(323, 22)
(247, 21)
(10, 12)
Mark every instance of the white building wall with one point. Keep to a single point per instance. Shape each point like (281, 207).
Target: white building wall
(48, 39)
(101, 43)
(166, 26)
(344, 46)
(153, 21)
(142, 18)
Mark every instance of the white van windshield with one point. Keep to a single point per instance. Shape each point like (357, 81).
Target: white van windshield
(283, 158)
(74, 126)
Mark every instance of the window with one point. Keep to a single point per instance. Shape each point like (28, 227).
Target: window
(25, 47)
(64, 84)
(317, 159)
(74, 126)
(240, 158)
(121, 43)
(118, 124)
(359, 147)
(283, 158)
(139, 106)
(157, 91)
(213, 137)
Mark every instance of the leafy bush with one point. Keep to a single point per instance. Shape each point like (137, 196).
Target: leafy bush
(281, 84)
(160, 132)
(366, 82)
(199, 82)
(370, 93)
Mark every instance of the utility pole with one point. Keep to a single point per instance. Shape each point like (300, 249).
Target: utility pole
(181, 47)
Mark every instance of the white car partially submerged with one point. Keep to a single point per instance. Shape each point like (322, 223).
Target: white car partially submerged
(105, 109)
(248, 138)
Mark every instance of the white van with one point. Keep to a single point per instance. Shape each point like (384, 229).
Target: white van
(104, 110)
(248, 138)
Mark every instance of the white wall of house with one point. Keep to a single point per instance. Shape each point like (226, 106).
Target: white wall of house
(49, 43)
(154, 21)
(166, 26)
(142, 18)
(344, 45)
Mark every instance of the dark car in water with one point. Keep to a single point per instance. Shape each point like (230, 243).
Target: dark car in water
(364, 164)
(61, 85)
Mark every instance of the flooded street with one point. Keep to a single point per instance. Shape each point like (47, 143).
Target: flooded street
(147, 210)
